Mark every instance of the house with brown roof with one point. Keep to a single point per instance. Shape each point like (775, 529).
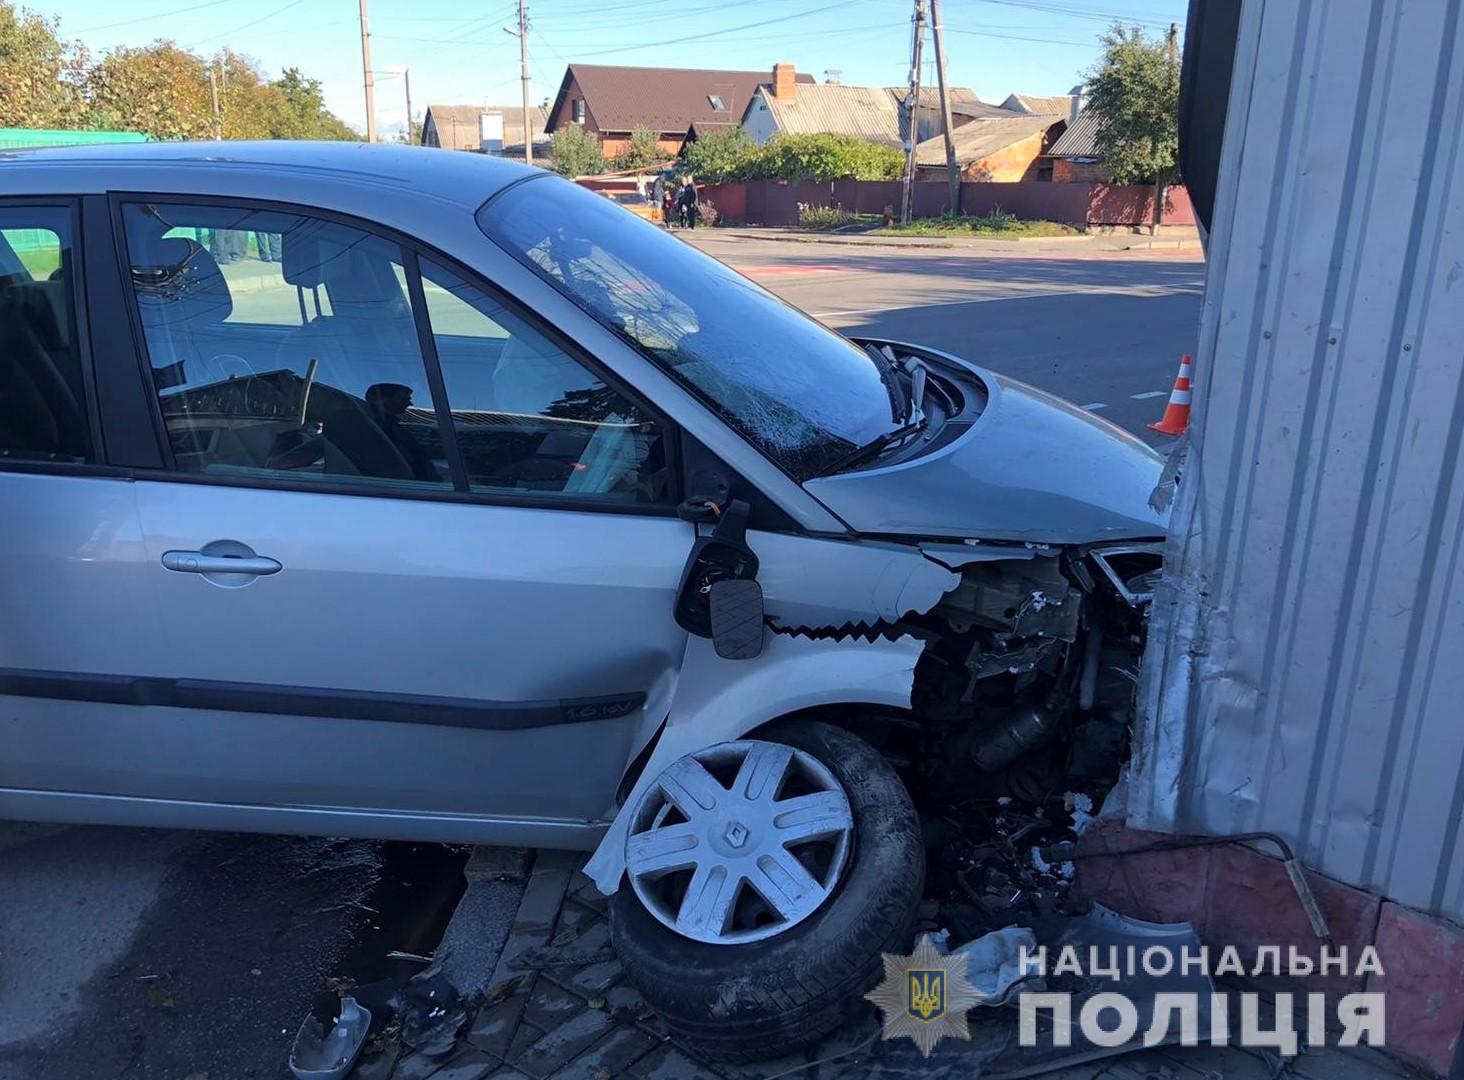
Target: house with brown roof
(1002, 150)
(612, 101)
(795, 105)
(490, 129)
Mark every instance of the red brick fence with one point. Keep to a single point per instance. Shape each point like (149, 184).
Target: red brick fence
(775, 202)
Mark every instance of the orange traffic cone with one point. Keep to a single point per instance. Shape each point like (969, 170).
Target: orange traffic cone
(1176, 413)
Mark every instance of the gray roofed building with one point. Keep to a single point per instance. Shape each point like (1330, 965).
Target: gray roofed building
(875, 113)
(460, 127)
(1061, 104)
(865, 112)
(1080, 140)
(981, 138)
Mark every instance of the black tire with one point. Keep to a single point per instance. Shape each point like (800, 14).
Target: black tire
(766, 998)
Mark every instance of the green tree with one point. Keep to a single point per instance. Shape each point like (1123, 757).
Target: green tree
(575, 152)
(719, 156)
(38, 72)
(644, 150)
(826, 156)
(298, 110)
(160, 89)
(1134, 92)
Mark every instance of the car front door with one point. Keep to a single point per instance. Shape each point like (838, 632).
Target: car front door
(414, 559)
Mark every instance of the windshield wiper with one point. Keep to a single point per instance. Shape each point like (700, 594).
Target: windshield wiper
(876, 446)
(886, 367)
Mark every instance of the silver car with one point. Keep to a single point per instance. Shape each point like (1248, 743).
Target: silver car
(397, 493)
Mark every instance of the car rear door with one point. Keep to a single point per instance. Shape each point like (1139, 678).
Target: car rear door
(387, 603)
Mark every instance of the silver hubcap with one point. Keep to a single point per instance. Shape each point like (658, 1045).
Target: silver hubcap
(739, 841)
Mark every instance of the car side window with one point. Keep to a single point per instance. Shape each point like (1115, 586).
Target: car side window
(42, 400)
(529, 417)
(291, 362)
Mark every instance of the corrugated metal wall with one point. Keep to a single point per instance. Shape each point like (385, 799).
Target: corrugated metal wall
(1306, 673)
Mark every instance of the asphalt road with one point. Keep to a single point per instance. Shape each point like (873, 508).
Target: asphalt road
(159, 954)
(1103, 329)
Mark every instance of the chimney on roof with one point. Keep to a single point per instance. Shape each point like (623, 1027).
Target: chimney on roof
(1077, 100)
(785, 78)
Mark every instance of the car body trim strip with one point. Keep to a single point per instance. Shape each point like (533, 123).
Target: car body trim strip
(314, 701)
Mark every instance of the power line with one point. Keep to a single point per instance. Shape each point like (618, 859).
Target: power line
(1016, 37)
(149, 18)
(717, 33)
(246, 26)
(1068, 11)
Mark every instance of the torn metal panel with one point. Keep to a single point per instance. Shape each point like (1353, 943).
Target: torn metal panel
(993, 1051)
(831, 584)
(1133, 569)
(719, 700)
(1302, 674)
(958, 556)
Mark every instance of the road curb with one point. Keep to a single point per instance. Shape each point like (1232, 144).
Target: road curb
(832, 238)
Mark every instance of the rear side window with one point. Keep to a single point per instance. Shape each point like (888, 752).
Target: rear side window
(42, 402)
(283, 348)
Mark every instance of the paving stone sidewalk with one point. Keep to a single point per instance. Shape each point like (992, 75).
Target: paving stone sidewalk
(558, 1007)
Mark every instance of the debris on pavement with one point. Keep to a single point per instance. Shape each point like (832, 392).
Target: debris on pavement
(328, 1053)
(994, 1033)
(432, 1013)
(994, 963)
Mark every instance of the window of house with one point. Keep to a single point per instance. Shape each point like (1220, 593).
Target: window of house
(301, 366)
(717, 103)
(42, 401)
(530, 418)
(578, 110)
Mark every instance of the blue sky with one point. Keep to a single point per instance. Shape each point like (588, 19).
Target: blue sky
(458, 53)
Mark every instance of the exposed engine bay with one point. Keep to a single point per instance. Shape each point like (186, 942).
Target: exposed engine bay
(1024, 704)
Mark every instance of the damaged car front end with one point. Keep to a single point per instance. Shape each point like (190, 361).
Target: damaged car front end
(885, 710)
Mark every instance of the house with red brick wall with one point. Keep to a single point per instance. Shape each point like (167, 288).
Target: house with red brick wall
(1074, 158)
(612, 101)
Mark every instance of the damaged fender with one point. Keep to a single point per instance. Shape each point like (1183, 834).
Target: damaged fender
(718, 700)
(825, 587)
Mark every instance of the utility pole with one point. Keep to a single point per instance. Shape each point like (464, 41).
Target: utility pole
(913, 133)
(953, 168)
(523, 36)
(1173, 44)
(213, 93)
(407, 82)
(369, 79)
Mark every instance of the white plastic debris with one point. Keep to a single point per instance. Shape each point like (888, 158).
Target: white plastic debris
(994, 965)
(1081, 807)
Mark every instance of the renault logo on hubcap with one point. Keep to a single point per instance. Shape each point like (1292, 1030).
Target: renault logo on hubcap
(736, 834)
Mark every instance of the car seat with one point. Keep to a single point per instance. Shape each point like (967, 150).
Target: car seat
(39, 413)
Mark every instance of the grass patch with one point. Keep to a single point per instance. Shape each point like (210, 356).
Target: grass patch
(996, 223)
(826, 218)
(40, 264)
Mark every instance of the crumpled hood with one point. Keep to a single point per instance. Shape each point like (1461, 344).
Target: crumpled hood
(1031, 468)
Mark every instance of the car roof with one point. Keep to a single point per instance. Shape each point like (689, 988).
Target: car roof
(456, 176)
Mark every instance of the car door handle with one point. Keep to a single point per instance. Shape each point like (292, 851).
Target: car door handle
(196, 562)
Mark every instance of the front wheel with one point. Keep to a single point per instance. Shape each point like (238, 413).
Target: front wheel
(766, 878)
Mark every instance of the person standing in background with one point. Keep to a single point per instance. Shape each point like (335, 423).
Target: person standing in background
(687, 202)
(268, 245)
